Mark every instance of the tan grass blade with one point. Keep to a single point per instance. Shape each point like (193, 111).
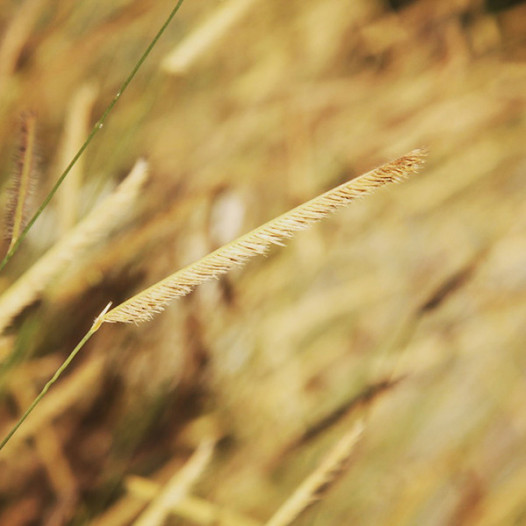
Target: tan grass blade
(15, 35)
(179, 61)
(23, 177)
(318, 482)
(76, 128)
(146, 304)
(48, 445)
(178, 487)
(99, 222)
(190, 508)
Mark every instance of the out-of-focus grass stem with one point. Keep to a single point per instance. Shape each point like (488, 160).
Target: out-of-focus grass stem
(96, 128)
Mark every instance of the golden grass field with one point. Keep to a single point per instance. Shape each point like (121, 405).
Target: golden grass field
(404, 313)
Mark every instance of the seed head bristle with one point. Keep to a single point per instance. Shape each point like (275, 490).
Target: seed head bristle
(22, 179)
(154, 299)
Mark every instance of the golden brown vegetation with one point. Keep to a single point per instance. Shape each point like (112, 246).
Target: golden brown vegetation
(406, 310)
(144, 305)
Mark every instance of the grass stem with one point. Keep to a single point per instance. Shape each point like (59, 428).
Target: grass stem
(94, 328)
(96, 128)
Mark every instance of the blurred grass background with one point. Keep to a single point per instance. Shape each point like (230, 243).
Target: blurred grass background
(407, 309)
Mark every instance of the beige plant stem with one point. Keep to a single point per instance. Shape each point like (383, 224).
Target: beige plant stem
(76, 127)
(146, 304)
(99, 222)
(318, 482)
(177, 487)
(49, 447)
(193, 509)
(179, 61)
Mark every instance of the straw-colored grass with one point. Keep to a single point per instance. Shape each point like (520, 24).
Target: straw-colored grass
(405, 309)
(96, 226)
(147, 303)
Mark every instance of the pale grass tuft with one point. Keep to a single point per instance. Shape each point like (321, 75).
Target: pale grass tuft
(99, 222)
(177, 487)
(318, 482)
(154, 299)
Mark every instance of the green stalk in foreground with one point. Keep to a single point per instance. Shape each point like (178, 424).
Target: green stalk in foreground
(144, 305)
(98, 126)
(94, 328)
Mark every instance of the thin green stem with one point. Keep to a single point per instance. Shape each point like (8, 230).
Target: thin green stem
(55, 377)
(98, 126)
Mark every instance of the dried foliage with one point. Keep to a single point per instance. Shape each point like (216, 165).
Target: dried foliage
(154, 299)
(406, 309)
(177, 488)
(97, 225)
(318, 483)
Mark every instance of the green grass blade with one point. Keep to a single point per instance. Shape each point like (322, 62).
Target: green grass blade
(98, 126)
(45, 389)
(94, 328)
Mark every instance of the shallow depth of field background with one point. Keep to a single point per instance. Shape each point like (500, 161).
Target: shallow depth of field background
(407, 309)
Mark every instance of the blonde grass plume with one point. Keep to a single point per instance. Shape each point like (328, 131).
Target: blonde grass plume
(99, 222)
(146, 304)
(317, 483)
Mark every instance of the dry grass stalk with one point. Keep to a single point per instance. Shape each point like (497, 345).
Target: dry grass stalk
(23, 179)
(178, 487)
(194, 509)
(100, 221)
(76, 128)
(180, 60)
(15, 36)
(316, 484)
(154, 299)
(50, 449)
